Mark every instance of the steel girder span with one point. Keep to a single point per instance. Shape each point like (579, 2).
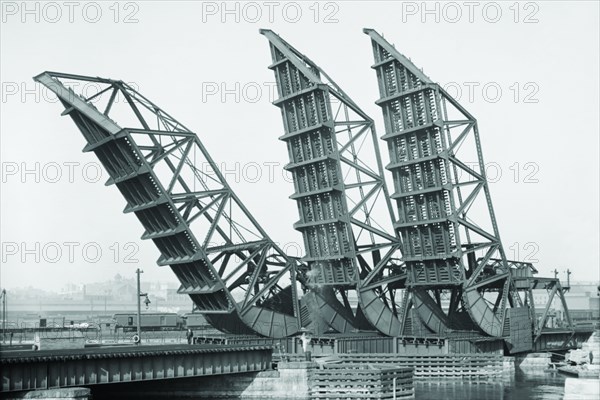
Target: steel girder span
(232, 270)
(355, 276)
(439, 180)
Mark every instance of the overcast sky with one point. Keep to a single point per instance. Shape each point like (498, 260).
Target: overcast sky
(533, 70)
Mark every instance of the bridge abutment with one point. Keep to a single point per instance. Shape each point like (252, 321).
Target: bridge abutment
(75, 393)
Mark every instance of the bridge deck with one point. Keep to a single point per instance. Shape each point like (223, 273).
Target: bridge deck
(48, 369)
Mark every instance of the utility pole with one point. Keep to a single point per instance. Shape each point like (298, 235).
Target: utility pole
(3, 315)
(139, 307)
(598, 320)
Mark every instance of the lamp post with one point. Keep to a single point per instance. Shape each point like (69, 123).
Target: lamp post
(139, 315)
(3, 315)
(147, 302)
(598, 320)
(105, 299)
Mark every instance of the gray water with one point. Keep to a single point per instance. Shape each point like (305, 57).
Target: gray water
(523, 386)
(534, 386)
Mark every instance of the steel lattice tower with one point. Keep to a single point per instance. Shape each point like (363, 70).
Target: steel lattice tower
(232, 270)
(429, 135)
(339, 187)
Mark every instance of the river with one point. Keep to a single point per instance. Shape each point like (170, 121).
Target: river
(523, 386)
(535, 385)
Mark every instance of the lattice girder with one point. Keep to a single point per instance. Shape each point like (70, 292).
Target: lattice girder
(339, 189)
(429, 134)
(223, 258)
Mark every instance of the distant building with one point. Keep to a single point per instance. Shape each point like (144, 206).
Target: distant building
(583, 296)
(117, 289)
(82, 301)
(582, 300)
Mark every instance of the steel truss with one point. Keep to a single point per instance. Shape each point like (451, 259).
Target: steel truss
(526, 282)
(428, 268)
(232, 270)
(340, 191)
(430, 138)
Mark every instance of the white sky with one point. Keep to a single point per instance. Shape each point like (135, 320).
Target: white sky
(176, 50)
